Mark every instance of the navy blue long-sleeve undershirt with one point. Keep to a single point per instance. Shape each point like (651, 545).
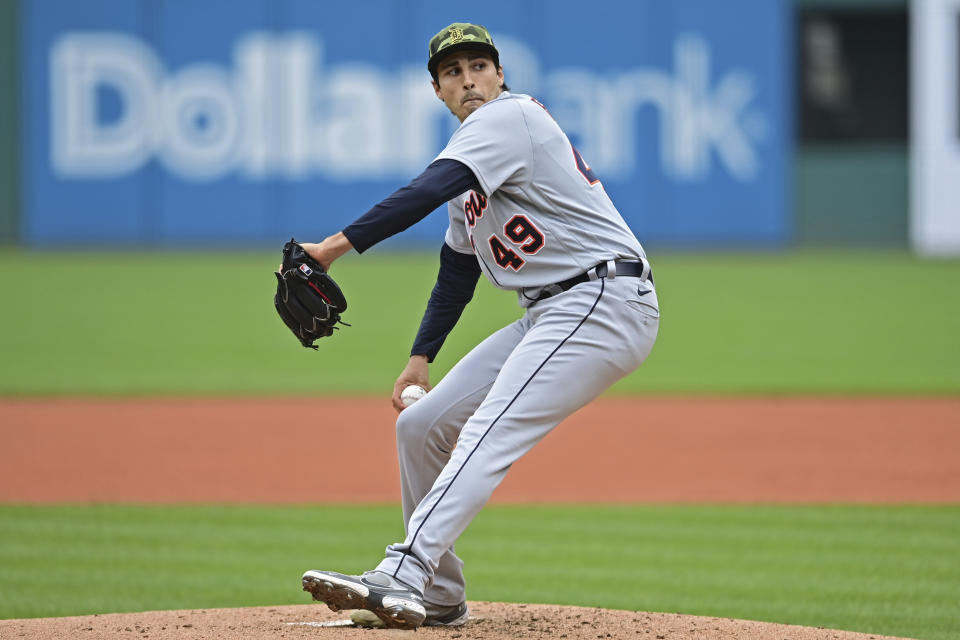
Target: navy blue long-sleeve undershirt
(458, 274)
(442, 180)
(456, 282)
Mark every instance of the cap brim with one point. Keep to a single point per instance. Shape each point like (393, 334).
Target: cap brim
(461, 46)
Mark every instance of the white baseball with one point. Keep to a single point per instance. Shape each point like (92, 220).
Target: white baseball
(411, 394)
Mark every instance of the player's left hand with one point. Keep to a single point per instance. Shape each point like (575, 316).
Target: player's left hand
(308, 300)
(328, 250)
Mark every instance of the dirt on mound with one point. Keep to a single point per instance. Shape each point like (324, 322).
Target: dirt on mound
(489, 621)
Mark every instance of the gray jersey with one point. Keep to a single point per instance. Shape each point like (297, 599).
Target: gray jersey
(538, 217)
(543, 217)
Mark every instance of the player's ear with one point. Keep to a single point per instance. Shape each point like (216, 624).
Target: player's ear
(436, 88)
(500, 76)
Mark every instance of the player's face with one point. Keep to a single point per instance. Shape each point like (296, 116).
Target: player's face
(466, 80)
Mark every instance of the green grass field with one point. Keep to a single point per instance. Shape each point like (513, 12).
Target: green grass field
(156, 323)
(891, 570)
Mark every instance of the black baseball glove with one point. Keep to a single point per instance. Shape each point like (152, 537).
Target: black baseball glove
(308, 300)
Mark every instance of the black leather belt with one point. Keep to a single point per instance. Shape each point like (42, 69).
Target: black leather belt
(639, 269)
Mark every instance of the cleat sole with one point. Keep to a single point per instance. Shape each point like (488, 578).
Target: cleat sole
(395, 612)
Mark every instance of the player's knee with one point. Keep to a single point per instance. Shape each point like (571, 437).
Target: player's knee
(420, 425)
(412, 427)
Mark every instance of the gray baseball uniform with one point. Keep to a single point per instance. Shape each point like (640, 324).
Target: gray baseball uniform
(547, 217)
(543, 218)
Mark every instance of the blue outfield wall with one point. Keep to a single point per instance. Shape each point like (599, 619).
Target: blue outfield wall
(246, 121)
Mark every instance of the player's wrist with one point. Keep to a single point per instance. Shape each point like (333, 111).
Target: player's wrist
(337, 245)
(329, 249)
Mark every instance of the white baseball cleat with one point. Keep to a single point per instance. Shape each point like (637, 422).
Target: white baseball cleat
(398, 605)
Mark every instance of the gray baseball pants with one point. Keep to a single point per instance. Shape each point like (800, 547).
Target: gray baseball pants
(456, 444)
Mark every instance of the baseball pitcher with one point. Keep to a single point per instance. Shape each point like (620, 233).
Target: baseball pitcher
(528, 213)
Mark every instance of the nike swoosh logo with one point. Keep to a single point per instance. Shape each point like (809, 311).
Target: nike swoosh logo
(640, 294)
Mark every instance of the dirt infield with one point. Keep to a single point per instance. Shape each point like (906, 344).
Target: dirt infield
(615, 450)
(489, 621)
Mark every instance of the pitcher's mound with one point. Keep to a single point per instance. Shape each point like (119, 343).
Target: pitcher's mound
(489, 621)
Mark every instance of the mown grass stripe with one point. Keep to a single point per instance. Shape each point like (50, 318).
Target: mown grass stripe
(800, 322)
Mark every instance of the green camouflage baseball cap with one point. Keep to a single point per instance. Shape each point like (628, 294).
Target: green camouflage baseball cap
(458, 36)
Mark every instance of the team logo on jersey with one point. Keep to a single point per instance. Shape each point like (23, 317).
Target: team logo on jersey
(474, 206)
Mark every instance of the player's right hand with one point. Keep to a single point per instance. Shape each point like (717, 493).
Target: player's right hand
(416, 372)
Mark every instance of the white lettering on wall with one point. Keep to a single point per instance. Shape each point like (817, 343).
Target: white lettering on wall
(281, 112)
(79, 65)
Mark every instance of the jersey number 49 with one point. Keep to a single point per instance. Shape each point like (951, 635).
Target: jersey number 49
(520, 232)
